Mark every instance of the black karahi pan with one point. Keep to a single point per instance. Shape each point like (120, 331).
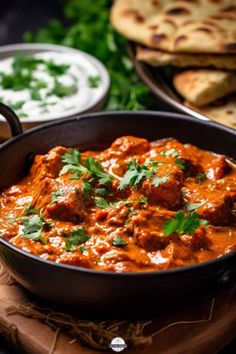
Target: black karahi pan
(101, 291)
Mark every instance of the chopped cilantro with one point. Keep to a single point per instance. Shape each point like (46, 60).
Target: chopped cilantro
(29, 210)
(181, 164)
(119, 242)
(56, 195)
(76, 237)
(97, 170)
(56, 69)
(61, 90)
(159, 180)
(86, 189)
(102, 203)
(33, 227)
(201, 176)
(194, 206)
(135, 174)
(170, 152)
(182, 224)
(94, 81)
(71, 157)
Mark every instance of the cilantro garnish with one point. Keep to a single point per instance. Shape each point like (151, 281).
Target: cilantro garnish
(33, 227)
(56, 195)
(86, 189)
(170, 152)
(135, 174)
(29, 210)
(102, 203)
(97, 170)
(61, 90)
(201, 176)
(72, 160)
(94, 81)
(119, 242)
(194, 206)
(181, 164)
(159, 180)
(56, 69)
(76, 237)
(182, 224)
(102, 192)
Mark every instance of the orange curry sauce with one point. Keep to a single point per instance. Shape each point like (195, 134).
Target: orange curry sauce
(69, 212)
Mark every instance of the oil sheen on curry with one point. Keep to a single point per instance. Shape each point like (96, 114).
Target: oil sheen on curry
(136, 206)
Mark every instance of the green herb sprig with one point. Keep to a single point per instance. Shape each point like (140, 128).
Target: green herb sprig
(182, 224)
(33, 227)
(76, 238)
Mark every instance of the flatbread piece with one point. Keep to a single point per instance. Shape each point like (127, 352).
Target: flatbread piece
(203, 86)
(160, 58)
(186, 26)
(223, 111)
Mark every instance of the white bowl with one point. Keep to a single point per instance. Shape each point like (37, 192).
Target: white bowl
(95, 102)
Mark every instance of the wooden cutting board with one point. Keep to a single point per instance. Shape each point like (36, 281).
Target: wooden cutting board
(206, 328)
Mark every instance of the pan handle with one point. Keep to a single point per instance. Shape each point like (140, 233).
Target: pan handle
(12, 119)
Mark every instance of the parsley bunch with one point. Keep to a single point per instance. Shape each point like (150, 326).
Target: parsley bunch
(89, 30)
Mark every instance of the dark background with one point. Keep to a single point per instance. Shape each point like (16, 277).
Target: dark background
(17, 17)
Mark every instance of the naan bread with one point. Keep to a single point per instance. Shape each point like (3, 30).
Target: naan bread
(159, 58)
(191, 26)
(203, 86)
(223, 111)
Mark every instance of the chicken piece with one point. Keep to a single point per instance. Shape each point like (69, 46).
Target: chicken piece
(8, 230)
(148, 229)
(198, 240)
(214, 205)
(69, 205)
(60, 199)
(48, 165)
(173, 150)
(117, 216)
(179, 254)
(219, 168)
(168, 191)
(128, 146)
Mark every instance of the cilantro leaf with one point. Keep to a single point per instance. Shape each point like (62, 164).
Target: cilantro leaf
(76, 238)
(56, 69)
(194, 206)
(97, 170)
(29, 210)
(140, 201)
(33, 228)
(61, 90)
(102, 203)
(86, 189)
(182, 224)
(94, 81)
(159, 180)
(72, 157)
(119, 242)
(56, 195)
(181, 164)
(135, 174)
(170, 152)
(201, 176)
(102, 192)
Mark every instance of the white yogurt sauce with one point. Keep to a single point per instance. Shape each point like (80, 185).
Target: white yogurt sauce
(51, 106)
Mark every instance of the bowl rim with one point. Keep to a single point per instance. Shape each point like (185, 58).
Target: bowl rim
(104, 273)
(12, 49)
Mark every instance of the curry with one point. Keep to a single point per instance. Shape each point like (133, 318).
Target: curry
(136, 206)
